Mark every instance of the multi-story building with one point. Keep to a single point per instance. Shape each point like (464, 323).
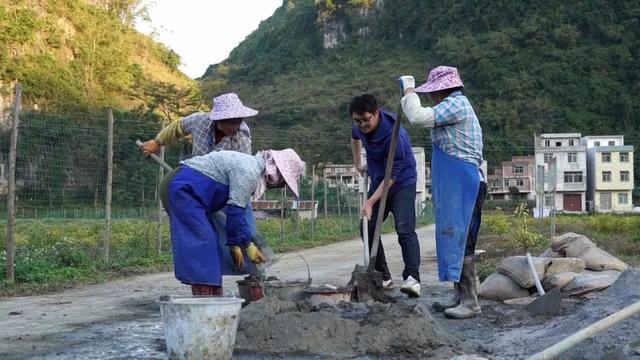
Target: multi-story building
(609, 174)
(518, 173)
(570, 172)
(345, 174)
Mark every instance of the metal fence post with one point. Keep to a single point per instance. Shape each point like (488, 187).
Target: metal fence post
(11, 195)
(313, 202)
(107, 227)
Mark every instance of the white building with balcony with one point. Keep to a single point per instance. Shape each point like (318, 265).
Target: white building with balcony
(609, 174)
(571, 170)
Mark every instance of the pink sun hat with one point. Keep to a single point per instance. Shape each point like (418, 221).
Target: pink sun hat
(290, 166)
(229, 106)
(441, 78)
(281, 165)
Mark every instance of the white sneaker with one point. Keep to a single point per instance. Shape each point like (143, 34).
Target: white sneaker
(411, 287)
(387, 284)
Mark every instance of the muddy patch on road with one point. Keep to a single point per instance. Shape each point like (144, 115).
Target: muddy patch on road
(506, 331)
(399, 330)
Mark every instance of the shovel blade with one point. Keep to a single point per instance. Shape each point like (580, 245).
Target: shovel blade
(367, 285)
(548, 304)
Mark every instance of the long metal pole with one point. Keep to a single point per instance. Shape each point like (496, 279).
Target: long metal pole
(11, 196)
(158, 202)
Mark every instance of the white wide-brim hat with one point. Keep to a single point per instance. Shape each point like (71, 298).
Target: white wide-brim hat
(229, 106)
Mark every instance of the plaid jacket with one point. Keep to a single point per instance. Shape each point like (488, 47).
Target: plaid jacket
(457, 130)
(203, 133)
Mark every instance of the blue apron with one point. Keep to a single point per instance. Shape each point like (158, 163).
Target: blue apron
(455, 189)
(199, 253)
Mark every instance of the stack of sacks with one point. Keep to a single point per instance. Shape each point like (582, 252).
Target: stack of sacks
(514, 279)
(573, 264)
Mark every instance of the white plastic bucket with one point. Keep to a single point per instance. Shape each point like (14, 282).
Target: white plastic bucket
(200, 327)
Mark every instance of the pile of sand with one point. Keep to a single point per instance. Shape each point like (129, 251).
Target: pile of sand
(275, 327)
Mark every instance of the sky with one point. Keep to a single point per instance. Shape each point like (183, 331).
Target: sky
(203, 32)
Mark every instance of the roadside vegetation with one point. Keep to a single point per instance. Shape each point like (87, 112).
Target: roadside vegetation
(514, 232)
(61, 253)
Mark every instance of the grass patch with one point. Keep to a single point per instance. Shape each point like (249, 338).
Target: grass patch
(57, 254)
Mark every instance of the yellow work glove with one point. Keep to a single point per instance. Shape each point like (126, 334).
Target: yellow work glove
(150, 147)
(255, 254)
(236, 255)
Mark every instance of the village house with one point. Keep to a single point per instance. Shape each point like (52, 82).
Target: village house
(519, 173)
(609, 173)
(570, 172)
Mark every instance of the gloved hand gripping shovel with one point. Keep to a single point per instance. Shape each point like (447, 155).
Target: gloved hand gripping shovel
(368, 282)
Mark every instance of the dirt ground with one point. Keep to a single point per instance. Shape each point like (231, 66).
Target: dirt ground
(121, 319)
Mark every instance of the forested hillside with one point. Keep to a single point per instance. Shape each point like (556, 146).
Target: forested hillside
(75, 55)
(528, 66)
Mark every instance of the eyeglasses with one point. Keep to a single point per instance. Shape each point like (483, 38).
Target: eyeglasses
(362, 121)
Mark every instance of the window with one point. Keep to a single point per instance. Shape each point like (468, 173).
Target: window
(612, 143)
(558, 143)
(518, 170)
(573, 176)
(506, 183)
(606, 176)
(572, 157)
(571, 142)
(606, 157)
(547, 143)
(548, 200)
(547, 158)
(495, 184)
(596, 143)
(623, 198)
(624, 176)
(624, 157)
(520, 182)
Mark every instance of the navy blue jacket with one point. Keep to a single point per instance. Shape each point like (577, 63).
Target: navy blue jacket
(377, 146)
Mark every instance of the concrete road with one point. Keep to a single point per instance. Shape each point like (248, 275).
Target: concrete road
(50, 324)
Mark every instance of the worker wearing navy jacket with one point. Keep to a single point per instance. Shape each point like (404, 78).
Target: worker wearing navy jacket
(373, 128)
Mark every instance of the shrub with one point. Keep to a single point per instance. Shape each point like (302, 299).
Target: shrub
(496, 223)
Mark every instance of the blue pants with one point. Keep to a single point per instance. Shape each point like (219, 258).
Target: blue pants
(192, 199)
(474, 227)
(401, 203)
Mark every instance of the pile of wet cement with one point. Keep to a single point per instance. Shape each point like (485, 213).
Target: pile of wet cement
(275, 327)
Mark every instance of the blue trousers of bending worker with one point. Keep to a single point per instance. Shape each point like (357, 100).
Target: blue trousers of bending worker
(401, 203)
(219, 220)
(198, 254)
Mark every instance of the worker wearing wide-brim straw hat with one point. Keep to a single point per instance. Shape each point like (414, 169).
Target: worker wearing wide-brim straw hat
(205, 184)
(458, 184)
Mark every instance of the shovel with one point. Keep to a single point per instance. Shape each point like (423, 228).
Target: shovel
(368, 282)
(546, 304)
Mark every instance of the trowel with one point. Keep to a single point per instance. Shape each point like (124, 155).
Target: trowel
(547, 303)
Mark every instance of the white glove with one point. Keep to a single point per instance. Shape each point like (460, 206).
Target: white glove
(407, 82)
